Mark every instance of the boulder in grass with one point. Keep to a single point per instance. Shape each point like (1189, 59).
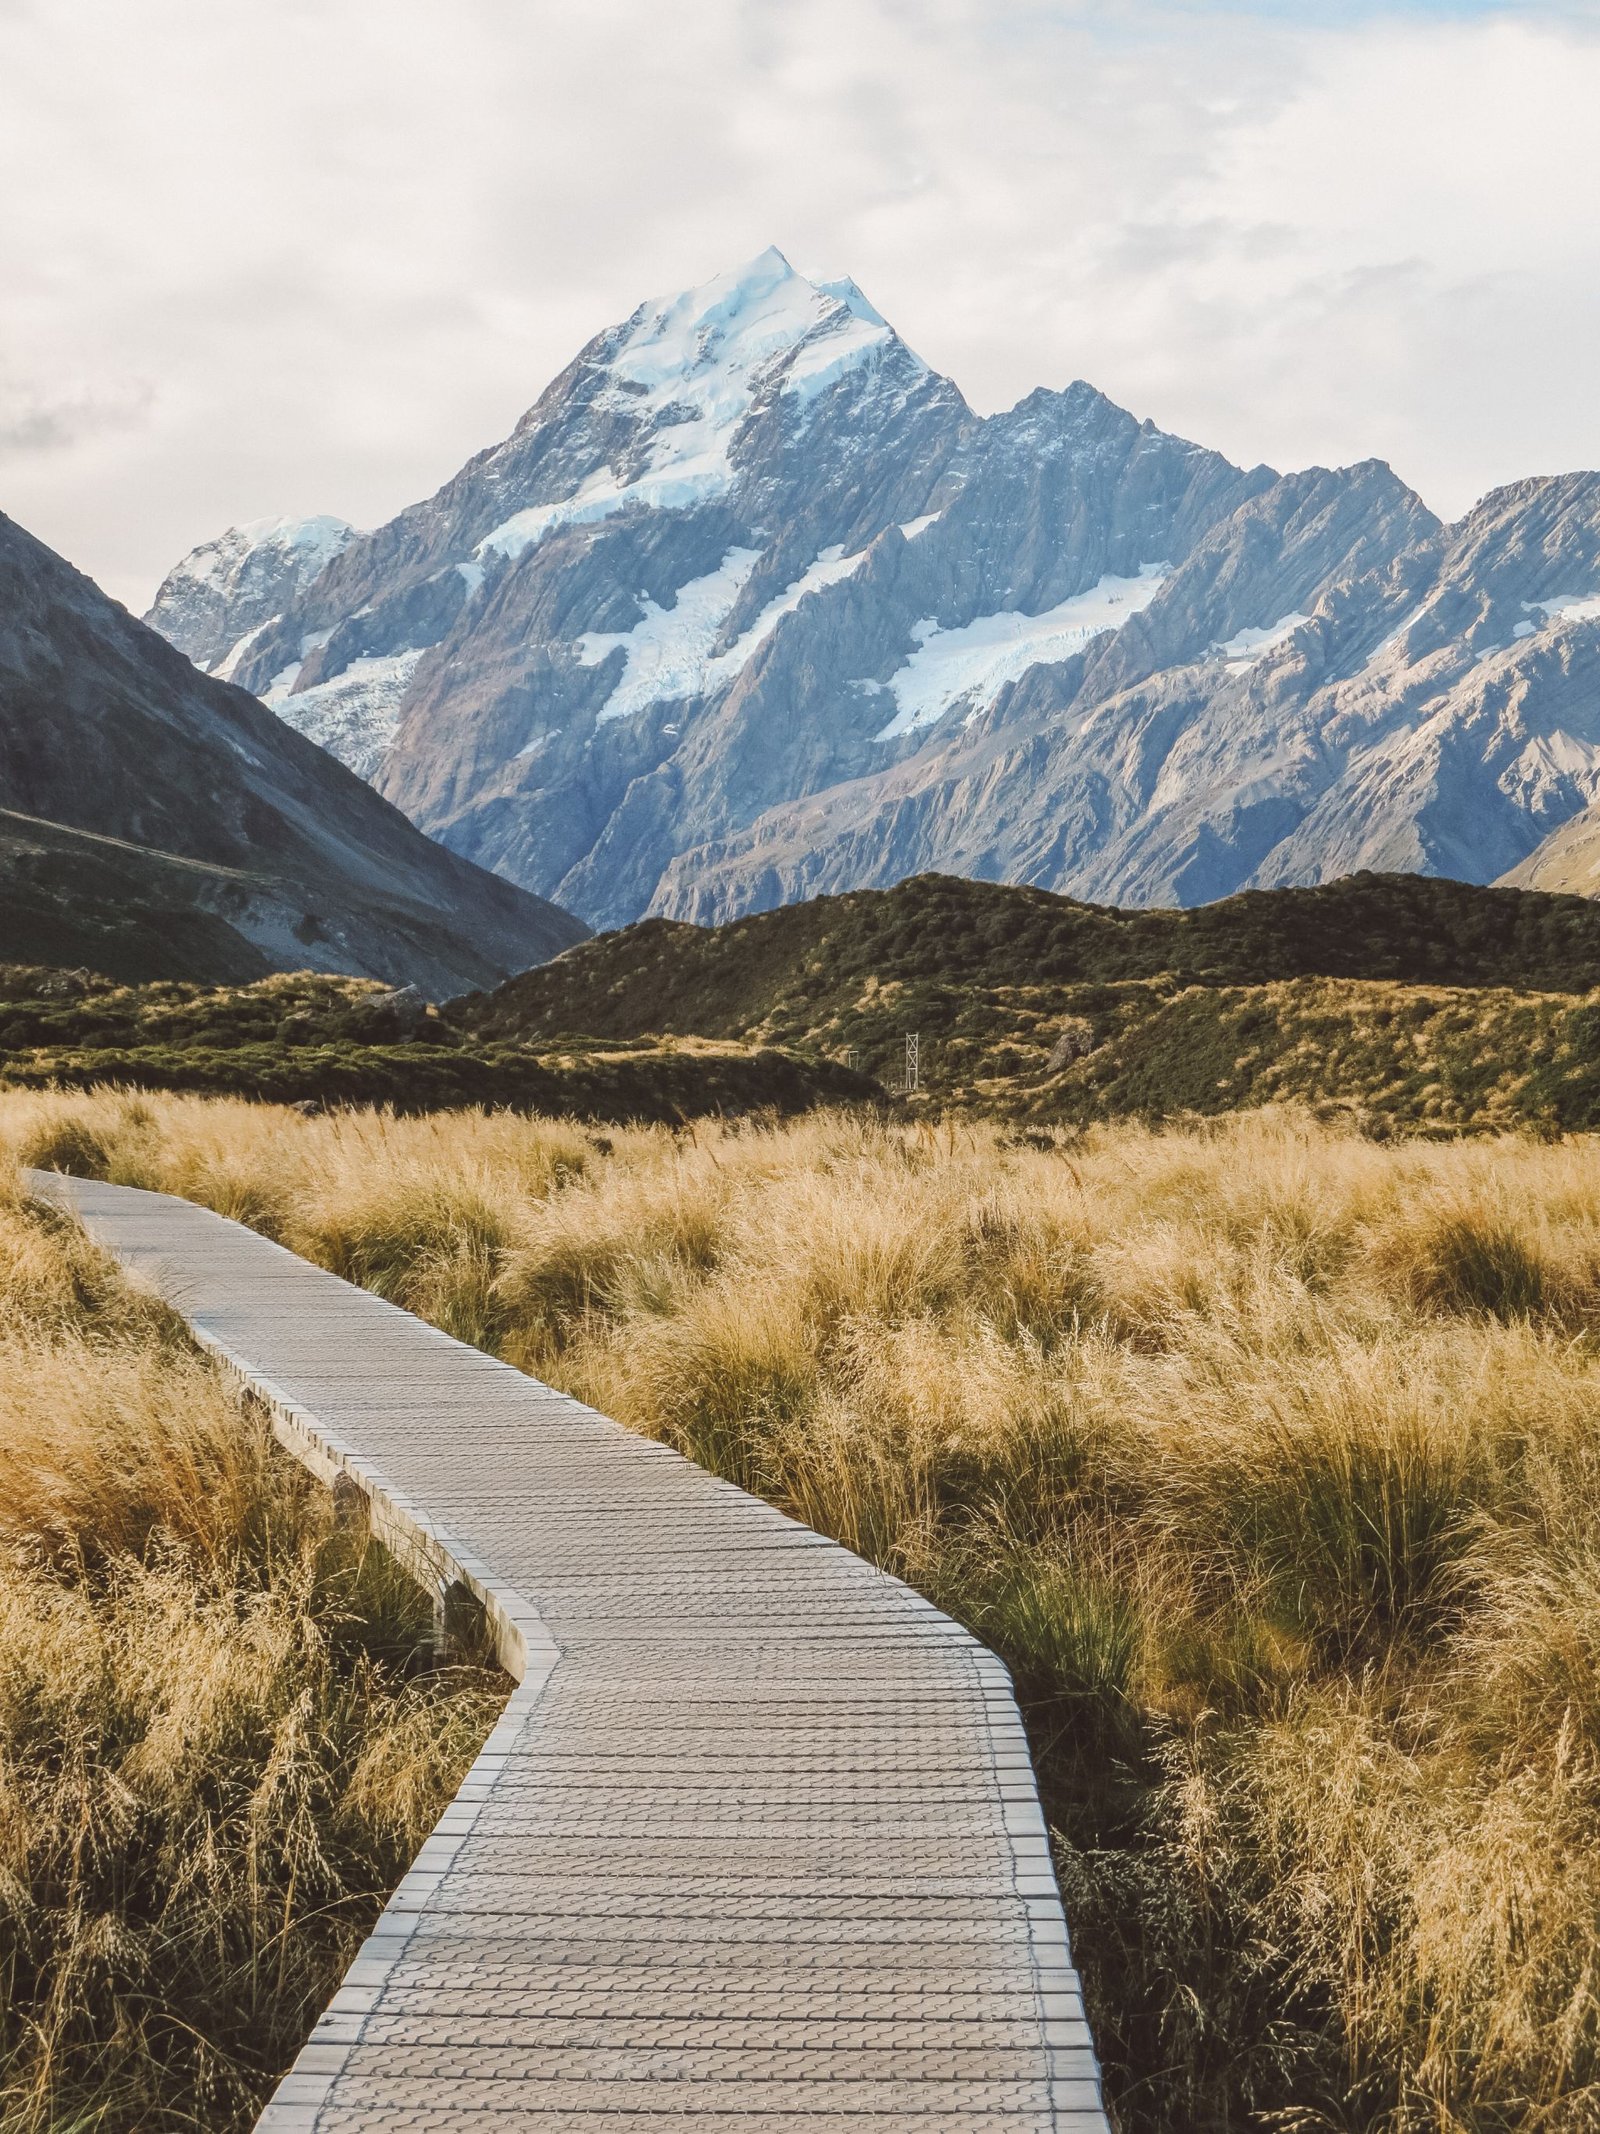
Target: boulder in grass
(1075, 1042)
(387, 1018)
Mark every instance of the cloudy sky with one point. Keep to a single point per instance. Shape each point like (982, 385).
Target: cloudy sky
(266, 256)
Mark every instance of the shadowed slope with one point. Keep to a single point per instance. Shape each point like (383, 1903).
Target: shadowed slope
(105, 729)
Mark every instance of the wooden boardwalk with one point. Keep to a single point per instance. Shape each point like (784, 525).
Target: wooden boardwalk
(756, 1844)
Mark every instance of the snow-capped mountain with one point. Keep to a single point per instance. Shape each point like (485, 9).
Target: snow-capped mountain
(223, 593)
(751, 605)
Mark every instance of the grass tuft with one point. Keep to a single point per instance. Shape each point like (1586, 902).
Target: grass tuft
(221, 1735)
(1469, 1260)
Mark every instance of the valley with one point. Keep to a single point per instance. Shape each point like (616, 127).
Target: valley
(1024, 993)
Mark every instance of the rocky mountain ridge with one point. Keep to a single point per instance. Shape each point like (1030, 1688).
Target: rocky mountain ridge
(217, 600)
(173, 821)
(751, 605)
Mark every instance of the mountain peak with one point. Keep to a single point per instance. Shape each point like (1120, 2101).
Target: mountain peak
(675, 383)
(226, 590)
(311, 542)
(752, 604)
(725, 338)
(851, 294)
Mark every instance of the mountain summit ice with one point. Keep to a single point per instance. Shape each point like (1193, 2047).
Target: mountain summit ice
(683, 375)
(751, 604)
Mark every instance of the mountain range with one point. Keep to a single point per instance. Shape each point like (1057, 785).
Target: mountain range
(155, 822)
(751, 605)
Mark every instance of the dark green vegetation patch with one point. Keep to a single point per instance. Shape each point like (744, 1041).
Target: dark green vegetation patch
(305, 1038)
(818, 967)
(1414, 1003)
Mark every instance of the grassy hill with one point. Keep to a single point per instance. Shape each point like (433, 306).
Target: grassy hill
(1415, 1001)
(1401, 1058)
(1417, 1005)
(809, 968)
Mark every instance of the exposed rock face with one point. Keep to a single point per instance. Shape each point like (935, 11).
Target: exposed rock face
(192, 793)
(751, 605)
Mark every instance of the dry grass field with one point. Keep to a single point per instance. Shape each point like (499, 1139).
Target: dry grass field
(218, 1747)
(1267, 1456)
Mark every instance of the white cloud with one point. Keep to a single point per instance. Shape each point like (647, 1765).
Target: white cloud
(310, 256)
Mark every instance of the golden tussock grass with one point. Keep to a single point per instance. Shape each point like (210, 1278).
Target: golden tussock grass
(219, 1747)
(1268, 1457)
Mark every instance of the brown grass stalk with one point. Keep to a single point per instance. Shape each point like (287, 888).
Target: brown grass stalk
(219, 1742)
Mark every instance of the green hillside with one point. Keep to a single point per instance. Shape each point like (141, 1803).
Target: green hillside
(821, 970)
(1421, 1002)
(1417, 1005)
(1401, 1058)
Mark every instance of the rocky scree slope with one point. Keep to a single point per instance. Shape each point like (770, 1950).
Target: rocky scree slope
(1568, 862)
(751, 605)
(156, 822)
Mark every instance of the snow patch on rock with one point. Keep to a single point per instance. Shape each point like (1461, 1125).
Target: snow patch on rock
(1251, 645)
(226, 667)
(1566, 607)
(823, 359)
(832, 566)
(676, 488)
(850, 293)
(669, 650)
(1401, 629)
(354, 716)
(973, 663)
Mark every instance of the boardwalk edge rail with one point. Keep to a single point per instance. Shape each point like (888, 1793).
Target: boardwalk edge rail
(523, 1646)
(525, 1650)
